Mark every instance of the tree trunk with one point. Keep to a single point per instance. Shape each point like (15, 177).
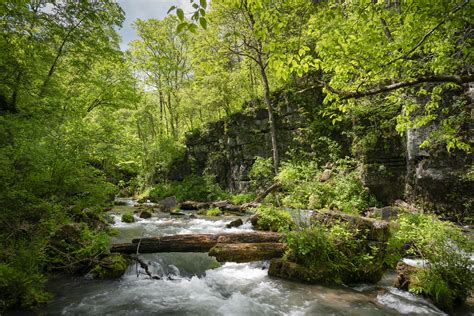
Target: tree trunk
(271, 119)
(192, 242)
(247, 252)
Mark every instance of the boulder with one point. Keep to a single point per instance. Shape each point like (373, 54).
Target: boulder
(375, 230)
(235, 223)
(325, 175)
(282, 268)
(145, 214)
(193, 205)
(112, 266)
(168, 204)
(385, 213)
(405, 273)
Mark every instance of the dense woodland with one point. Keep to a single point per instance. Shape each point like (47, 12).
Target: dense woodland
(83, 121)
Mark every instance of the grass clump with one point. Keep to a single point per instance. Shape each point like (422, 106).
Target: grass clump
(214, 211)
(128, 218)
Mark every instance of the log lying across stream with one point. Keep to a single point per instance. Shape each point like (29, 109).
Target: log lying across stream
(237, 247)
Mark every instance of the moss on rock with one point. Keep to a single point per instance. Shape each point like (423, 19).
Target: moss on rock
(112, 266)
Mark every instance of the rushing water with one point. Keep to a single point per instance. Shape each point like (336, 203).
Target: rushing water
(192, 285)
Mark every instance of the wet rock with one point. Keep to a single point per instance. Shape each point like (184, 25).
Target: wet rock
(376, 230)
(405, 274)
(112, 266)
(168, 204)
(282, 268)
(145, 214)
(385, 213)
(254, 220)
(235, 223)
(192, 216)
(193, 205)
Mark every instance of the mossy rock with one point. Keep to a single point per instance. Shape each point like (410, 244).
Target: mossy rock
(128, 218)
(112, 266)
(282, 268)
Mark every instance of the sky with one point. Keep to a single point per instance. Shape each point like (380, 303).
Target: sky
(145, 9)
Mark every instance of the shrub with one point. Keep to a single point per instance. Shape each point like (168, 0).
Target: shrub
(128, 218)
(214, 211)
(261, 174)
(242, 198)
(21, 288)
(270, 218)
(449, 277)
(342, 191)
(341, 254)
(193, 188)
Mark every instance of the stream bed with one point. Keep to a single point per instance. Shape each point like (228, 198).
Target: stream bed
(193, 284)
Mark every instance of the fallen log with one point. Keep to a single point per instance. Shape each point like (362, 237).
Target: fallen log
(227, 206)
(247, 252)
(192, 242)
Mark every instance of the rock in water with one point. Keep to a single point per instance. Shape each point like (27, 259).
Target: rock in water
(169, 203)
(112, 266)
(236, 223)
(145, 214)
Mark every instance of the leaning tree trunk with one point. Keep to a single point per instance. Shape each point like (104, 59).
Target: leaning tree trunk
(271, 119)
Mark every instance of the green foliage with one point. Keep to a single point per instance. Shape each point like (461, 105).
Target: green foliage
(342, 191)
(261, 174)
(194, 188)
(270, 218)
(242, 198)
(128, 218)
(20, 288)
(214, 211)
(449, 279)
(340, 252)
(111, 267)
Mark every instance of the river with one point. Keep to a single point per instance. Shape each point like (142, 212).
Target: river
(192, 284)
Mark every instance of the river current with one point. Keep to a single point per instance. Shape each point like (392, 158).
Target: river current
(195, 284)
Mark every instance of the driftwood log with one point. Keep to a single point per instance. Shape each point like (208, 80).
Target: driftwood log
(238, 247)
(192, 242)
(247, 252)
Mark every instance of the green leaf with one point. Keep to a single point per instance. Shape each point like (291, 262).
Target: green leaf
(180, 14)
(171, 9)
(193, 28)
(195, 5)
(181, 27)
(203, 3)
(203, 22)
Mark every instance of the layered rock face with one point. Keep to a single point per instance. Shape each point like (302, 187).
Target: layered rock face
(228, 148)
(394, 166)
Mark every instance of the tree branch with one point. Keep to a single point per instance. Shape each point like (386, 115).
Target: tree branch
(423, 39)
(395, 86)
